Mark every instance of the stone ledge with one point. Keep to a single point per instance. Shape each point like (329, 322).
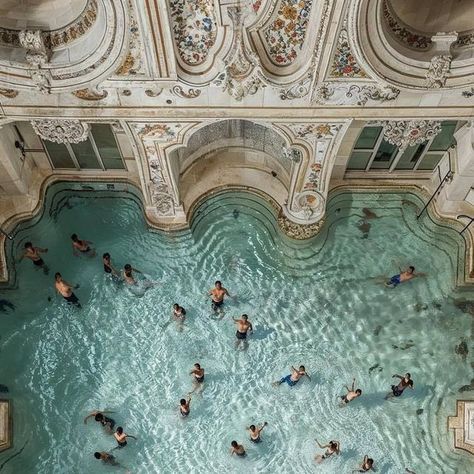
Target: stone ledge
(463, 425)
(6, 425)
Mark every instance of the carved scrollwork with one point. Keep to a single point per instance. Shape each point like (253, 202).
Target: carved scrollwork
(61, 131)
(298, 231)
(8, 93)
(438, 71)
(297, 91)
(153, 93)
(190, 94)
(336, 93)
(409, 133)
(90, 94)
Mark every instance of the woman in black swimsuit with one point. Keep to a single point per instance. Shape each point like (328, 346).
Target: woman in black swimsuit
(333, 447)
(108, 267)
(106, 422)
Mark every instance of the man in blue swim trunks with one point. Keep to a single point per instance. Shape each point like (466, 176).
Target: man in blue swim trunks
(293, 378)
(403, 276)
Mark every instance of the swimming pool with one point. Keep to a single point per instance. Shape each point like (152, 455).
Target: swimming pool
(315, 303)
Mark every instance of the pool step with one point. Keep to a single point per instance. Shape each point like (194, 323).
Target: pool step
(6, 425)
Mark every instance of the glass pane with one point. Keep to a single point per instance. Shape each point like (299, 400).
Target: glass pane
(445, 138)
(359, 160)
(107, 146)
(59, 154)
(410, 157)
(368, 137)
(85, 155)
(430, 161)
(384, 156)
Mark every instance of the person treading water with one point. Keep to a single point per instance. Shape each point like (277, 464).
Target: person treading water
(243, 327)
(367, 465)
(81, 246)
(179, 315)
(293, 378)
(238, 449)
(351, 394)
(99, 415)
(33, 253)
(65, 290)
(121, 438)
(254, 432)
(108, 267)
(198, 378)
(397, 390)
(217, 296)
(185, 406)
(333, 447)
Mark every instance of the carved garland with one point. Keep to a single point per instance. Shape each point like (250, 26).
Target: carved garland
(61, 131)
(409, 133)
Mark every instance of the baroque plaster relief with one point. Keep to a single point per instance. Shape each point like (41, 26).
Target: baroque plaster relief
(344, 63)
(8, 93)
(90, 94)
(61, 131)
(411, 132)
(341, 93)
(285, 36)
(438, 71)
(194, 28)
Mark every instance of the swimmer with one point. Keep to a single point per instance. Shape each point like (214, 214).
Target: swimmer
(237, 449)
(333, 447)
(198, 378)
(293, 378)
(254, 432)
(179, 313)
(106, 458)
(243, 327)
(107, 423)
(121, 438)
(402, 277)
(185, 407)
(108, 267)
(128, 274)
(368, 214)
(397, 390)
(367, 465)
(81, 246)
(217, 296)
(351, 394)
(65, 290)
(33, 253)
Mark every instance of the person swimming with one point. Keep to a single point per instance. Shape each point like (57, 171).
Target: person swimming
(293, 378)
(179, 315)
(243, 327)
(397, 390)
(237, 449)
(185, 406)
(65, 290)
(367, 465)
(128, 274)
(198, 378)
(217, 296)
(106, 458)
(121, 438)
(351, 394)
(107, 423)
(108, 267)
(333, 447)
(402, 277)
(255, 431)
(81, 246)
(33, 253)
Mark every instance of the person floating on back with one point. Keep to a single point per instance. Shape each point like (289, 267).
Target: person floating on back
(243, 327)
(351, 394)
(217, 296)
(107, 423)
(185, 406)
(121, 438)
(402, 277)
(237, 449)
(108, 267)
(397, 390)
(106, 458)
(293, 378)
(65, 290)
(33, 253)
(367, 465)
(81, 247)
(254, 432)
(333, 447)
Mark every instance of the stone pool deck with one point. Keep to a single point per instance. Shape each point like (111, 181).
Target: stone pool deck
(463, 425)
(6, 438)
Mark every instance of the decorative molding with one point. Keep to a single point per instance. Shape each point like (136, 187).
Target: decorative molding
(194, 27)
(242, 74)
(285, 36)
(190, 94)
(463, 425)
(438, 71)
(469, 93)
(161, 132)
(90, 94)
(298, 231)
(344, 63)
(61, 131)
(153, 92)
(41, 80)
(8, 93)
(298, 90)
(409, 133)
(340, 93)
(37, 52)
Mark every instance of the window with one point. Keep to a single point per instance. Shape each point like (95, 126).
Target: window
(98, 152)
(372, 153)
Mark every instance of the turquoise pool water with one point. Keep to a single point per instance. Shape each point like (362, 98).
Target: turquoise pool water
(316, 303)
